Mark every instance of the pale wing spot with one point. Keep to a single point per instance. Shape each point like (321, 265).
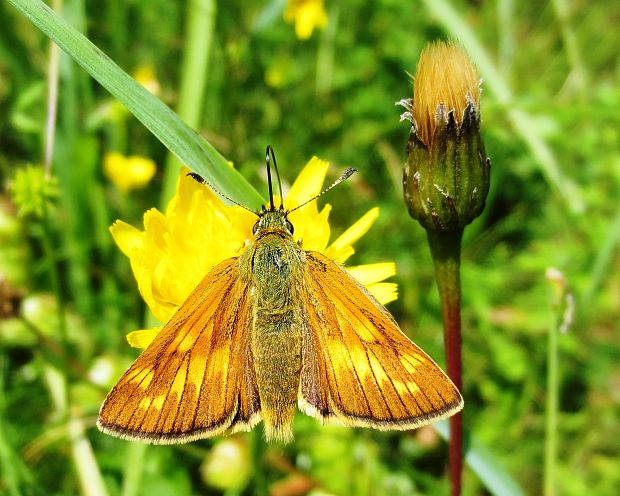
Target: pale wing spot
(342, 355)
(338, 352)
(188, 341)
(220, 357)
(410, 363)
(143, 379)
(378, 370)
(145, 403)
(158, 402)
(360, 362)
(197, 368)
(365, 334)
(406, 388)
(179, 381)
(413, 387)
(184, 340)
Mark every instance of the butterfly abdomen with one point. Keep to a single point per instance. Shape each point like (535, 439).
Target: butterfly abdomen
(276, 332)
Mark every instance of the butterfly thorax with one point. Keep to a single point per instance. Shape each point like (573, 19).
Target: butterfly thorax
(275, 263)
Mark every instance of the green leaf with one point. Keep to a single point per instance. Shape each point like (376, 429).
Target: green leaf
(485, 465)
(178, 137)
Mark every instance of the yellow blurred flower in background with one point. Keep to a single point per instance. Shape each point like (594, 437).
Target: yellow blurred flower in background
(177, 248)
(145, 75)
(128, 173)
(307, 15)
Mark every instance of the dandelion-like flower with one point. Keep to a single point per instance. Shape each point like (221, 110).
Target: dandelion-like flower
(128, 173)
(307, 15)
(177, 248)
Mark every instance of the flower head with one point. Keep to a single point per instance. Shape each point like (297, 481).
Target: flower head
(446, 79)
(307, 15)
(446, 178)
(34, 191)
(128, 173)
(169, 258)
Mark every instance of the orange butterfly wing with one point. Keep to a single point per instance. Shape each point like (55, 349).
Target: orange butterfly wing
(196, 379)
(357, 365)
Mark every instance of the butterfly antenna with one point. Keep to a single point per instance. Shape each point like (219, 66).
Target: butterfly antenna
(345, 175)
(271, 157)
(199, 179)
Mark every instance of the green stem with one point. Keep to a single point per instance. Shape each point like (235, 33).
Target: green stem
(551, 410)
(89, 475)
(571, 46)
(50, 255)
(258, 459)
(52, 99)
(135, 456)
(15, 477)
(200, 20)
(446, 252)
(602, 265)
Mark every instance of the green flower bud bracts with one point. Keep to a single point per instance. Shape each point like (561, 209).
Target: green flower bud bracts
(446, 177)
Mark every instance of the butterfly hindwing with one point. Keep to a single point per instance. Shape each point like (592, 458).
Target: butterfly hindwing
(184, 386)
(357, 365)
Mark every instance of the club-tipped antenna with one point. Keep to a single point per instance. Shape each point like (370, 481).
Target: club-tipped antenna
(345, 175)
(198, 178)
(269, 157)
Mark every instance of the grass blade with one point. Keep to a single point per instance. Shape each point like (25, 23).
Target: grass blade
(485, 465)
(178, 137)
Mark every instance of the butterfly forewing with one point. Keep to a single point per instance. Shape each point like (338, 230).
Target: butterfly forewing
(358, 366)
(184, 386)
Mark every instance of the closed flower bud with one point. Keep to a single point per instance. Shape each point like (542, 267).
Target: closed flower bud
(446, 177)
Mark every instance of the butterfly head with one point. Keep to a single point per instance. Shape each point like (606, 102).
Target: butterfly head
(272, 218)
(273, 221)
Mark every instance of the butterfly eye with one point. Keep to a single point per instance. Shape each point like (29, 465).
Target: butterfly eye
(255, 228)
(289, 226)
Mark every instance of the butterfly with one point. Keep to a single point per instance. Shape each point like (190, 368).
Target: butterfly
(276, 329)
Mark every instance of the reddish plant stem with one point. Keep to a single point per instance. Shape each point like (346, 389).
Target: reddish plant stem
(446, 252)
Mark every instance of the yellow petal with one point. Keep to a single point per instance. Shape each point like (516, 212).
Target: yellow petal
(155, 228)
(127, 237)
(342, 255)
(384, 292)
(308, 183)
(343, 243)
(312, 230)
(372, 273)
(141, 339)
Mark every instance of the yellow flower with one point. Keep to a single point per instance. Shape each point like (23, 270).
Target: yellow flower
(145, 75)
(307, 15)
(169, 257)
(128, 173)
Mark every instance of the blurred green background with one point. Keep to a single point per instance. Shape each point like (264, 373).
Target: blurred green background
(551, 124)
